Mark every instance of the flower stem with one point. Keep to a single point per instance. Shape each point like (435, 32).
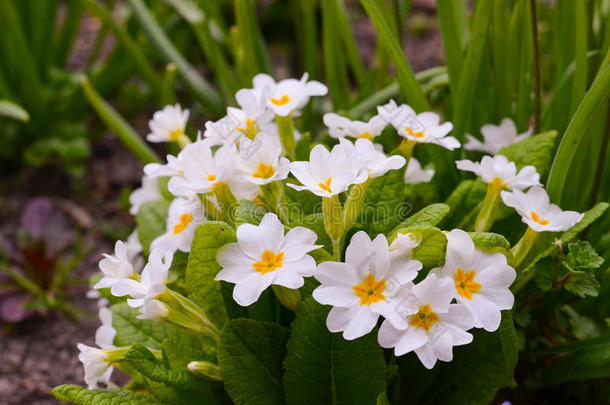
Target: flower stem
(183, 140)
(333, 222)
(288, 297)
(276, 199)
(485, 219)
(354, 202)
(522, 248)
(406, 149)
(205, 369)
(185, 313)
(210, 208)
(227, 202)
(285, 127)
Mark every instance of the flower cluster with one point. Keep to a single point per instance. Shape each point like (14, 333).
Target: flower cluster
(250, 154)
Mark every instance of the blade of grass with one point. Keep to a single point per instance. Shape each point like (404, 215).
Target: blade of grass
(353, 57)
(169, 81)
(409, 88)
(579, 83)
(470, 68)
(123, 131)
(306, 14)
(452, 44)
(594, 100)
(537, 88)
(11, 110)
(251, 37)
(525, 78)
(335, 67)
(213, 54)
(202, 89)
(144, 67)
(501, 55)
(69, 30)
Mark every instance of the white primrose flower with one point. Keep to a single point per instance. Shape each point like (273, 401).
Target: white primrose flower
(263, 256)
(115, 267)
(134, 250)
(495, 137)
(148, 192)
(423, 128)
(366, 286)
(185, 214)
(340, 127)
(537, 211)
(266, 163)
(481, 280)
(96, 365)
(198, 170)
(328, 173)
(374, 162)
(168, 125)
(415, 174)
(501, 172)
(152, 282)
(434, 324)
(288, 95)
(105, 334)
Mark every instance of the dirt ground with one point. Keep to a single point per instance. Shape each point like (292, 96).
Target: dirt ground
(41, 353)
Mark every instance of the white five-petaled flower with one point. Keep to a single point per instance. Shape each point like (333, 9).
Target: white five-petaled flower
(415, 174)
(328, 173)
(373, 162)
(366, 285)
(198, 170)
(185, 214)
(501, 172)
(424, 127)
(481, 280)
(148, 192)
(134, 250)
(152, 282)
(168, 125)
(266, 163)
(495, 137)
(434, 324)
(115, 267)
(288, 95)
(537, 211)
(340, 127)
(263, 256)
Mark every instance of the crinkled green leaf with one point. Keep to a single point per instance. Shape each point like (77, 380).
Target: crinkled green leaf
(428, 216)
(202, 267)
(384, 204)
(582, 326)
(536, 151)
(582, 256)
(456, 202)
(131, 330)
(323, 368)
(582, 284)
(81, 396)
(248, 212)
(178, 352)
(250, 355)
(491, 242)
(431, 249)
(151, 219)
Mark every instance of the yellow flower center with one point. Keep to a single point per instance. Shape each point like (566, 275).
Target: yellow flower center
(465, 284)
(370, 290)
(425, 318)
(326, 185)
(185, 220)
(366, 135)
(497, 182)
(251, 130)
(536, 218)
(418, 134)
(211, 177)
(263, 171)
(269, 262)
(175, 134)
(282, 101)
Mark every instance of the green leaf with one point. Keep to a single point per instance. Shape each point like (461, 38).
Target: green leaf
(582, 256)
(11, 110)
(582, 284)
(491, 242)
(247, 212)
(81, 396)
(179, 351)
(579, 361)
(323, 368)
(479, 369)
(301, 202)
(536, 151)
(427, 217)
(384, 204)
(202, 267)
(335, 66)
(431, 249)
(452, 41)
(303, 147)
(250, 355)
(457, 204)
(593, 102)
(409, 89)
(151, 222)
(251, 39)
(131, 330)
